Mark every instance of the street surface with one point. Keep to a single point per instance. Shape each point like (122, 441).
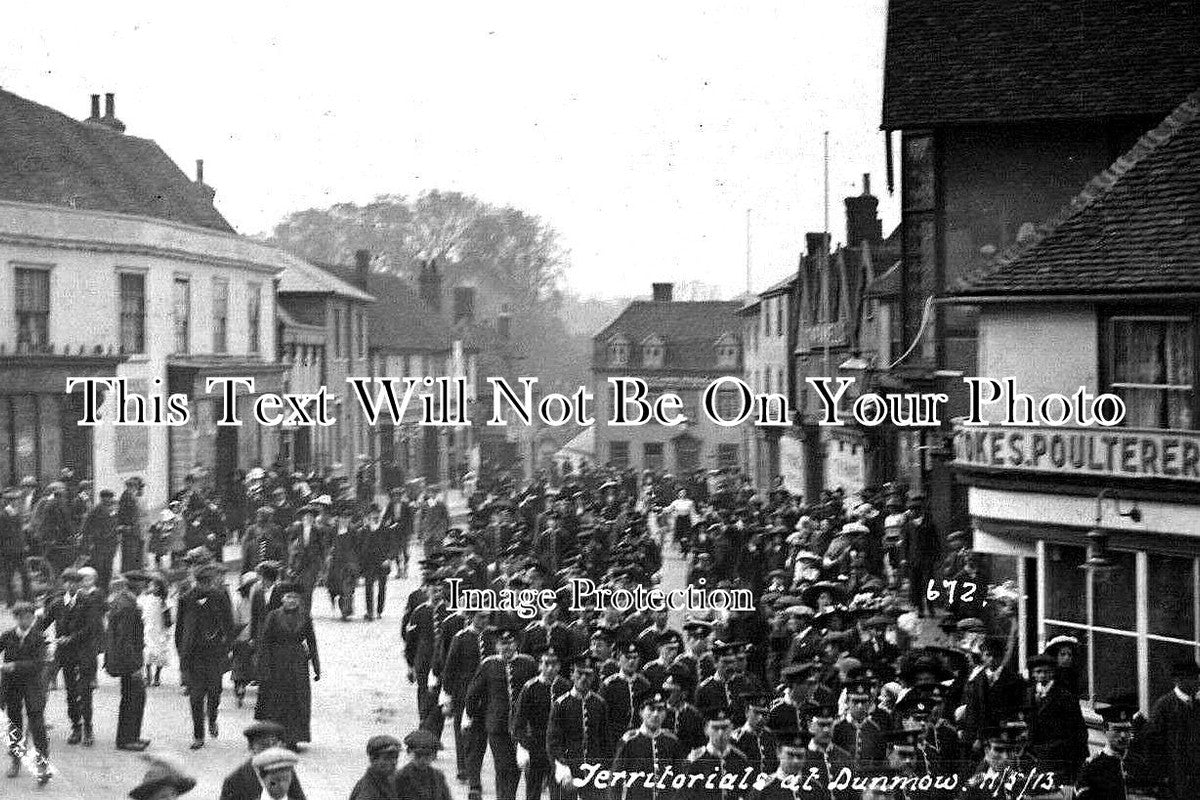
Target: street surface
(362, 692)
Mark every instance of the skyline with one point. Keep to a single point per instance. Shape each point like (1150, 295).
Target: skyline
(643, 145)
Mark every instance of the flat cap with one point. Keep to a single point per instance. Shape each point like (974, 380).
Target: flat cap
(274, 758)
(383, 744)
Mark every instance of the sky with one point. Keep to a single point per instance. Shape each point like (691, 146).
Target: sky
(643, 132)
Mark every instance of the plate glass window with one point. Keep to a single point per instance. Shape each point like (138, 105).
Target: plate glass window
(133, 312)
(33, 308)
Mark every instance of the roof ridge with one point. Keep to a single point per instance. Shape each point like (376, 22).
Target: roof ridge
(1093, 191)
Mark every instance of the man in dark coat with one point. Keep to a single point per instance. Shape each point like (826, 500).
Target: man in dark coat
(12, 548)
(421, 632)
(1057, 733)
(622, 691)
(129, 525)
(648, 748)
(307, 542)
(379, 781)
(467, 649)
(80, 632)
(53, 529)
(1174, 730)
(490, 699)
(531, 718)
(265, 541)
(578, 730)
(23, 648)
(100, 538)
(419, 779)
(376, 549)
(243, 783)
(1103, 775)
(203, 636)
(123, 657)
(923, 551)
(993, 693)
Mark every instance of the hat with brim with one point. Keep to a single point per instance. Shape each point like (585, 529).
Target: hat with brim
(163, 773)
(266, 727)
(810, 595)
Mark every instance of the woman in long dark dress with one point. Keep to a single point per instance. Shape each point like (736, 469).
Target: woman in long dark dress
(285, 648)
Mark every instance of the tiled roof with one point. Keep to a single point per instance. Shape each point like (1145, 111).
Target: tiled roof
(1134, 228)
(401, 321)
(955, 61)
(47, 157)
(305, 277)
(691, 329)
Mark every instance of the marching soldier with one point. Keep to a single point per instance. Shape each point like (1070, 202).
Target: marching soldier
(531, 719)
(578, 728)
(696, 655)
(725, 687)
(467, 650)
(857, 733)
(787, 782)
(648, 749)
(826, 757)
(490, 699)
(753, 738)
(668, 644)
(422, 631)
(621, 692)
(717, 759)
(682, 718)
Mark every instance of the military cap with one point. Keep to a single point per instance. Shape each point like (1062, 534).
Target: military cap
(503, 632)
(70, 574)
(903, 740)
(1117, 715)
(655, 699)
(859, 690)
(382, 743)
(697, 627)
(1041, 660)
(275, 758)
(670, 637)
(722, 649)
(583, 663)
(423, 741)
(822, 710)
(792, 739)
(629, 649)
(916, 704)
(717, 714)
(288, 587)
(262, 728)
(798, 673)
(602, 632)
(756, 699)
(546, 651)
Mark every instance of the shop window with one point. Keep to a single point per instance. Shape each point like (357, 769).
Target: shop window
(33, 308)
(1153, 368)
(652, 456)
(618, 454)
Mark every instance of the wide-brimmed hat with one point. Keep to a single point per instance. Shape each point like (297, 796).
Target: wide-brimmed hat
(164, 771)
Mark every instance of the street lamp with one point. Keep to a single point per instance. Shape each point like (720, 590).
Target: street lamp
(1098, 559)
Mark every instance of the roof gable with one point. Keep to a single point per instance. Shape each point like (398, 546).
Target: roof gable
(47, 157)
(957, 61)
(690, 327)
(1134, 228)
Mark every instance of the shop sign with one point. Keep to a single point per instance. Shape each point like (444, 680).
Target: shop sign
(1104, 452)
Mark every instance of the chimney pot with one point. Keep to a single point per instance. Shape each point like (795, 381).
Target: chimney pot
(866, 183)
(429, 286)
(362, 267)
(199, 170)
(662, 292)
(110, 105)
(95, 107)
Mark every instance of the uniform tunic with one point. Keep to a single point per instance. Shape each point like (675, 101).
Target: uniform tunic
(641, 751)
(1102, 778)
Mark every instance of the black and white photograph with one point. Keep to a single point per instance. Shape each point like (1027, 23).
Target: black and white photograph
(525, 400)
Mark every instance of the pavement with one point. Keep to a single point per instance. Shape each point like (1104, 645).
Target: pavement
(362, 692)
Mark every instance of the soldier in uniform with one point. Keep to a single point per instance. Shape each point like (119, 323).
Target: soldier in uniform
(725, 687)
(753, 738)
(549, 631)
(682, 718)
(716, 759)
(467, 649)
(578, 728)
(787, 782)
(696, 653)
(1103, 775)
(996, 777)
(621, 691)
(490, 699)
(668, 644)
(825, 756)
(648, 749)
(857, 733)
(801, 689)
(531, 718)
(421, 632)
(600, 651)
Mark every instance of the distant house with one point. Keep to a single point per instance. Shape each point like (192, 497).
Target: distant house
(675, 346)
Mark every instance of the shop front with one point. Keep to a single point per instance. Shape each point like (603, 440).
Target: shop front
(1100, 531)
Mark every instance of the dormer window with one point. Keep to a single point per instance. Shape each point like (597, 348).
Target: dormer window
(618, 352)
(727, 351)
(653, 349)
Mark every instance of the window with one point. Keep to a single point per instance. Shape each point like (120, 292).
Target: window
(767, 380)
(220, 312)
(618, 454)
(181, 314)
(652, 352)
(780, 315)
(33, 308)
(133, 312)
(727, 456)
(766, 315)
(652, 456)
(618, 352)
(1152, 368)
(337, 333)
(781, 386)
(253, 317)
(729, 403)
(727, 351)
(362, 335)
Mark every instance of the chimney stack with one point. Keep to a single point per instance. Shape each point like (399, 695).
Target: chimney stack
(862, 217)
(662, 292)
(109, 120)
(816, 243)
(95, 117)
(362, 268)
(429, 285)
(200, 170)
(206, 190)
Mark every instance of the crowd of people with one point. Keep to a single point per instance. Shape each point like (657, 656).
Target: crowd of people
(877, 660)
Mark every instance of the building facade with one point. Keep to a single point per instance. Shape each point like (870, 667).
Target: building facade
(1098, 525)
(118, 265)
(675, 346)
(768, 342)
